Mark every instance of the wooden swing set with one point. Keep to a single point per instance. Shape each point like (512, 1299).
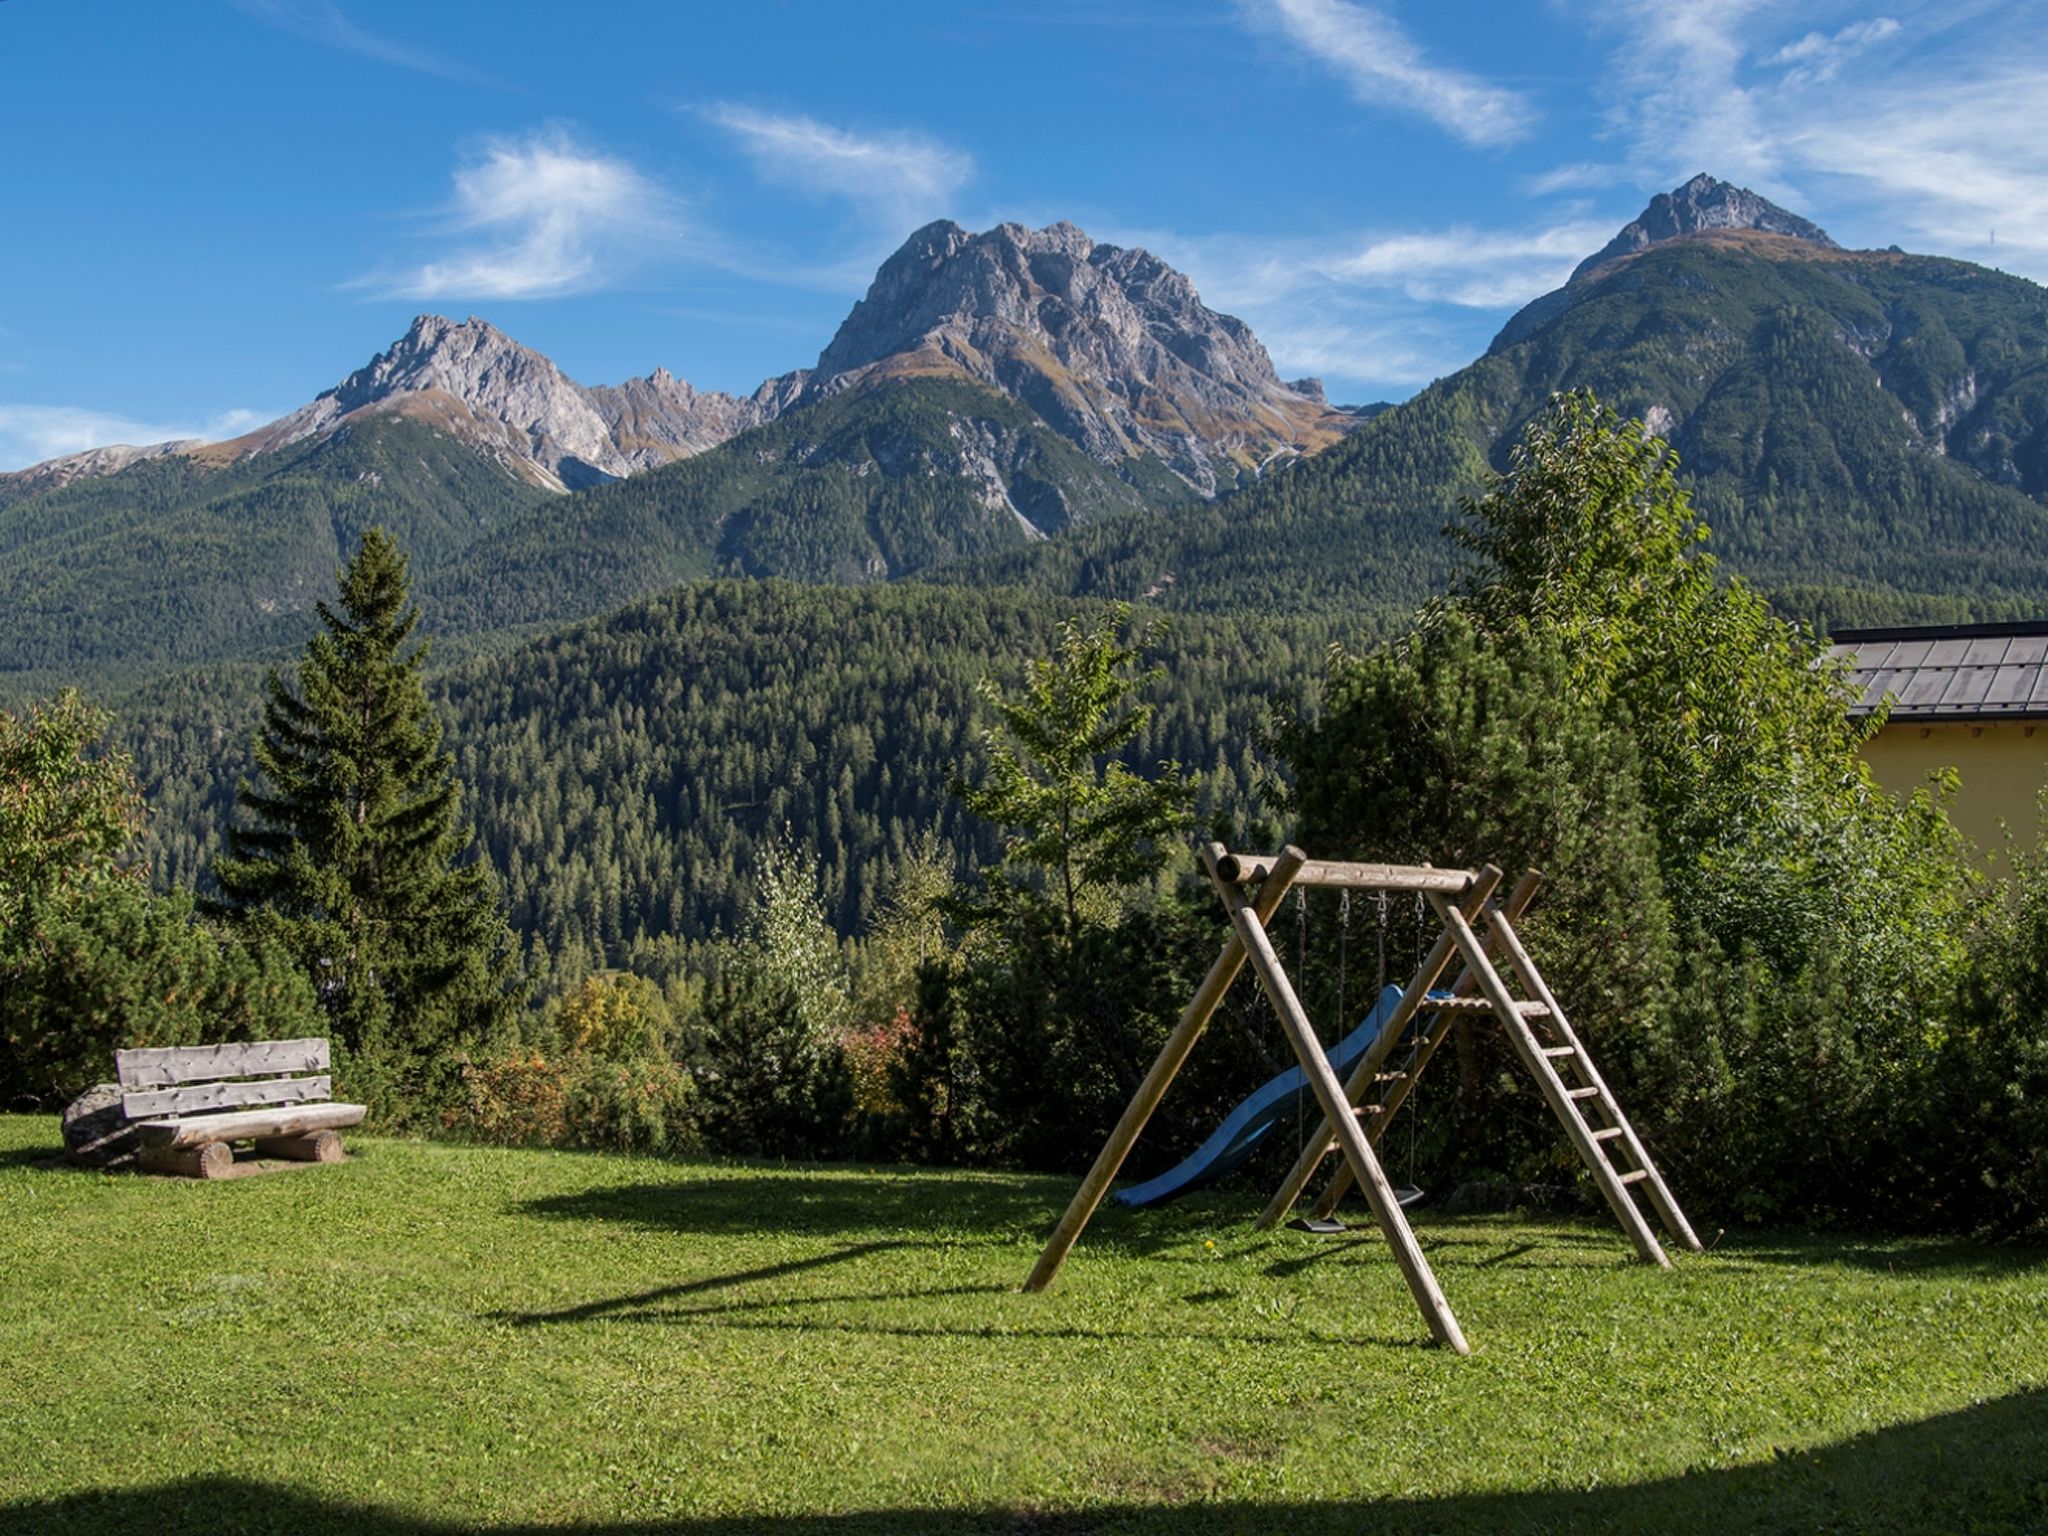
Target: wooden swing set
(1479, 931)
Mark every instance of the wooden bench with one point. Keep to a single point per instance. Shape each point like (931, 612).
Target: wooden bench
(189, 1102)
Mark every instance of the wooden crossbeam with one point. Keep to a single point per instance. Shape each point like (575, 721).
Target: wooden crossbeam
(1250, 868)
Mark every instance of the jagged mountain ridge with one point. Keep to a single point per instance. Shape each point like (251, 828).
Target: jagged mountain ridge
(1112, 346)
(478, 385)
(1700, 207)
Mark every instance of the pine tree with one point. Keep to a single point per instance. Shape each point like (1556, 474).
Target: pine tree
(353, 852)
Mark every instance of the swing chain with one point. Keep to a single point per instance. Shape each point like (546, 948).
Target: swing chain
(1343, 957)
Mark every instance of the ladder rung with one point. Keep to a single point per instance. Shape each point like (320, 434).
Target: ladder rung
(1607, 1134)
(1367, 1111)
(1581, 1093)
(1554, 1051)
(1635, 1176)
(1526, 1008)
(1390, 1077)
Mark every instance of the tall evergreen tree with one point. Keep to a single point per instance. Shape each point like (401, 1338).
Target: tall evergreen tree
(353, 851)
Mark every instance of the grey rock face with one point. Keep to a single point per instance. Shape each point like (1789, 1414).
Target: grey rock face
(96, 1133)
(477, 383)
(660, 418)
(1702, 203)
(1113, 347)
(55, 474)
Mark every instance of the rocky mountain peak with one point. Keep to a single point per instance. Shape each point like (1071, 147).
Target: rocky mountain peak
(472, 381)
(1702, 203)
(1111, 345)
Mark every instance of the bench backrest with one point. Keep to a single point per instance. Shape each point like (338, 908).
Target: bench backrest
(192, 1079)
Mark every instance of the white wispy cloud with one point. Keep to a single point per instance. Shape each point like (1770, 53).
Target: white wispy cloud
(1959, 167)
(1384, 67)
(1468, 266)
(1579, 176)
(1818, 55)
(899, 178)
(324, 22)
(1396, 308)
(1940, 157)
(31, 433)
(536, 218)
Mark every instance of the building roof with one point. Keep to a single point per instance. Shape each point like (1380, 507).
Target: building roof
(1950, 671)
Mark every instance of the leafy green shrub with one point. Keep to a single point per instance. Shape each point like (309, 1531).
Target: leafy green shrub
(604, 1103)
(90, 962)
(1990, 1102)
(1758, 942)
(771, 1071)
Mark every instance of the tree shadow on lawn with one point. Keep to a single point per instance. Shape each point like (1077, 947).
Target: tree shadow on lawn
(1982, 1469)
(1892, 1255)
(813, 1312)
(947, 1209)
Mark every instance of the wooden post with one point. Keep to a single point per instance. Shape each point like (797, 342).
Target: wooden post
(1660, 1193)
(213, 1160)
(1413, 996)
(1340, 1182)
(1193, 1020)
(1443, 1326)
(317, 1147)
(1495, 991)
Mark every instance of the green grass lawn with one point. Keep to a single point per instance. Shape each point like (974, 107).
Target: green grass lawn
(428, 1338)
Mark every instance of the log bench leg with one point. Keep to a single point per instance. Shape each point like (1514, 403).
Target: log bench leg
(212, 1161)
(314, 1147)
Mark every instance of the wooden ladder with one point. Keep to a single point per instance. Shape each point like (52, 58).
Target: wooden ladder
(1565, 1073)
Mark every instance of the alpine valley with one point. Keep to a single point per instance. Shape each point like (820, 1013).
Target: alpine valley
(673, 623)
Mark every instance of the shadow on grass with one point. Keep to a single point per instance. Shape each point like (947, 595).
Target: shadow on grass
(814, 1312)
(1983, 1469)
(812, 1202)
(49, 1159)
(1902, 1255)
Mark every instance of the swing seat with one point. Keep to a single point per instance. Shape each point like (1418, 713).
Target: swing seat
(1407, 1196)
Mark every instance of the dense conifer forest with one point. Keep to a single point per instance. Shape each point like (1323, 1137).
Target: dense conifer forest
(625, 773)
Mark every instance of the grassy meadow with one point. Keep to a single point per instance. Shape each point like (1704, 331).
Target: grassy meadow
(430, 1338)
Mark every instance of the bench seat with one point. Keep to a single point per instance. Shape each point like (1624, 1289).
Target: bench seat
(284, 1120)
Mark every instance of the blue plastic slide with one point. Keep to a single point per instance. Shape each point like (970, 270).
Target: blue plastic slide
(1245, 1126)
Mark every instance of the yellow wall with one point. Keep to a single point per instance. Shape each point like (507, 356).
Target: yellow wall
(2002, 764)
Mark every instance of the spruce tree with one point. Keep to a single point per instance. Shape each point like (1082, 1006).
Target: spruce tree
(353, 848)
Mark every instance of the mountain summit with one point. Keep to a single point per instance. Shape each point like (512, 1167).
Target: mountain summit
(1702, 206)
(1110, 345)
(476, 384)
(1702, 203)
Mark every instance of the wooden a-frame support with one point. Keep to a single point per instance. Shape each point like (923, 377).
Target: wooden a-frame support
(1347, 1123)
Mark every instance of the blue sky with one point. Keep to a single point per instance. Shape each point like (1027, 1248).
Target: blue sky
(217, 208)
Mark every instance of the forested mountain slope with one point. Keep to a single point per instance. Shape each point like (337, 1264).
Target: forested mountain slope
(624, 773)
(173, 560)
(899, 478)
(1860, 429)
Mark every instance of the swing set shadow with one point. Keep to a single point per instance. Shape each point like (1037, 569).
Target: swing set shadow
(1476, 929)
